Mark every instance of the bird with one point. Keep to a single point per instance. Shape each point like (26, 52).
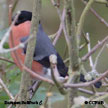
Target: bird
(43, 49)
(20, 33)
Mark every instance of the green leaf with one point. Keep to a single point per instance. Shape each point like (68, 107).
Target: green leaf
(6, 45)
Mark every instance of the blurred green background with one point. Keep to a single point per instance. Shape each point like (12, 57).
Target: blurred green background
(50, 21)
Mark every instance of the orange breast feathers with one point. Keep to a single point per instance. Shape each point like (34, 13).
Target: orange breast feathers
(19, 32)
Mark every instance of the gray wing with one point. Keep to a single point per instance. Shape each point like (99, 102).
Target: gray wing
(44, 47)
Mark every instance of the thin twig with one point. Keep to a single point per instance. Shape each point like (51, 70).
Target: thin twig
(101, 1)
(63, 25)
(37, 75)
(85, 91)
(7, 60)
(46, 99)
(97, 15)
(93, 50)
(60, 28)
(12, 44)
(6, 89)
(89, 49)
(10, 106)
(14, 5)
(82, 19)
(90, 92)
(97, 57)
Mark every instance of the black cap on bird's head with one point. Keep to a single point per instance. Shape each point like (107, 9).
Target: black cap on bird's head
(24, 16)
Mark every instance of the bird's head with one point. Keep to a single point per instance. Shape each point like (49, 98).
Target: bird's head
(23, 16)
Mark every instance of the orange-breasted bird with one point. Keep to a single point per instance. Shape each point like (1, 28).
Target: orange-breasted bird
(43, 49)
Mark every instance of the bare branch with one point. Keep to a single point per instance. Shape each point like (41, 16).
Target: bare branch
(93, 50)
(97, 15)
(37, 75)
(82, 19)
(55, 74)
(63, 25)
(6, 89)
(97, 57)
(7, 60)
(89, 49)
(60, 28)
(26, 79)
